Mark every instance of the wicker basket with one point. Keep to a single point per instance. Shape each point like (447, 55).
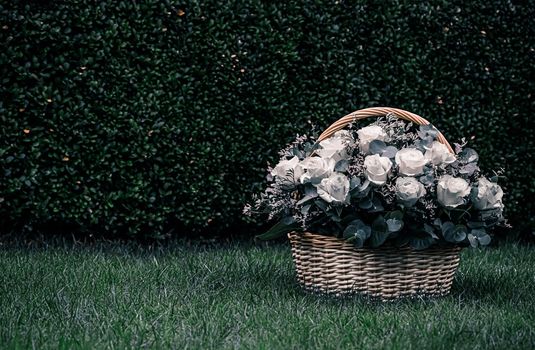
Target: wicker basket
(330, 265)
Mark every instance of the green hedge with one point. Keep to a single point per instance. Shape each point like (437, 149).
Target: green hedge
(158, 117)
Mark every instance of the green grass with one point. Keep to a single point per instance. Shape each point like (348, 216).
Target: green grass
(242, 296)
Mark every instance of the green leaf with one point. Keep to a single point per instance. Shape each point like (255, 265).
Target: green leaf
(350, 231)
(377, 147)
(484, 240)
(421, 243)
(389, 152)
(454, 233)
(348, 219)
(354, 183)
(475, 224)
(322, 205)
(333, 215)
(469, 155)
(394, 225)
(362, 235)
(362, 190)
(304, 200)
(473, 240)
(305, 208)
(478, 237)
(358, 232)
(379, 232)
(338, 210)
(365, 203)
(311, 191)
(396, 214)
(341, 165)
(377, 206)
(281, 228)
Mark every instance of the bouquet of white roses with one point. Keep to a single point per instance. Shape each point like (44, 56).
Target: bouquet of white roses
(387, 183)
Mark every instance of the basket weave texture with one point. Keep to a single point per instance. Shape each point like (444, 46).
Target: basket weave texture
(333, 266)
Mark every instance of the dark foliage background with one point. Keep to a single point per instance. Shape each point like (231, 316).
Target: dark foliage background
(150, 118)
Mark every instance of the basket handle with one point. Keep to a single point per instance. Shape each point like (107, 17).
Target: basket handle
(378, 112)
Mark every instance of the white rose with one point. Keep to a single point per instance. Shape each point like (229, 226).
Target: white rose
(409, 190)
(488, 195)
(288, 170)
(334, 189)
(438, 153)
(452, 190)
(334, 148)
(316, 169)
(368, 134)
(410, 161)
(377, 169)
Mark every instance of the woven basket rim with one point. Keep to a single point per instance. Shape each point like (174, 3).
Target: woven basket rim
(388, 247)
(379, 112)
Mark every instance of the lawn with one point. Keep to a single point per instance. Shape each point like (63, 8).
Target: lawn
(244, 296)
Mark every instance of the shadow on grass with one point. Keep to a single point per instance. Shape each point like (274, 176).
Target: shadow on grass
(494, 288)
(488, 288)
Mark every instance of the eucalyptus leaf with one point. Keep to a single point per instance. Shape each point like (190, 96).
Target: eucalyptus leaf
(365, 185)
(447, 226)
(390, 152)
(427, 179)
(350, 231)
(475, 224)
(473, 240)
(396, 214)
(394, 225)
(305, 209)
(321, 204)
(377, 206)
(334, 217)
(358, 223)
(377, 147)
(362, 235)
(469, 169)
(351, 239)
(427, 130)
(421, 243)
(484, 240)
(341, 165)
(361, 189)
(354, 183)
(479, 237)
(379, 232)
(430, 231)
(469, 155)
(287, 220)
(348, 219)
(311, 191)
(365, 203)
(338, 210)
(424, 143)
(297, 152)
(358, 232)
(454, 233)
